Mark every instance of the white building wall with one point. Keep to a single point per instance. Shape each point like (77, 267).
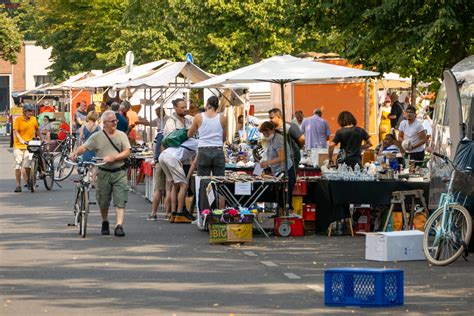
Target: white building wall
(36, 62)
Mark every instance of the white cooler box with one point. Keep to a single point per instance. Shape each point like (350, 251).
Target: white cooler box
(394, 246)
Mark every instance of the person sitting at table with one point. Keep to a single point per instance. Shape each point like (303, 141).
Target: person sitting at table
(387, 146)
(276, 157)
(353, 140)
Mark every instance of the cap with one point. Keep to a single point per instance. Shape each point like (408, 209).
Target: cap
(28, 107)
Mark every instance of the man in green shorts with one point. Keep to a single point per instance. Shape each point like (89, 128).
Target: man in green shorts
(113, 147)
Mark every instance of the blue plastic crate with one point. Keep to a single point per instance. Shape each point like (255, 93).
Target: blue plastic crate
(363, 287)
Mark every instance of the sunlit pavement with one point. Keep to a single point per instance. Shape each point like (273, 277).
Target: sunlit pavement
(160, 268)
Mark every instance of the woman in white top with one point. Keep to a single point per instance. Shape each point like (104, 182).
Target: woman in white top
(211, 127)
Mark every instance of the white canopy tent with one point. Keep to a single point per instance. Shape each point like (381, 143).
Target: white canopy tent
(168, 80)
(284, 69)
(118, 76)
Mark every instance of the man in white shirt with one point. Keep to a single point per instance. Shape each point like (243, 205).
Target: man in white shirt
(413, 136)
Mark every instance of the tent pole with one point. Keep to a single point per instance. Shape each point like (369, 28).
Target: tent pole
(285, 139)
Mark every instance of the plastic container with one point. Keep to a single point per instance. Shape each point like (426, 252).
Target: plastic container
(298, 205)
(309, 212)
(363, 287)
(300, 188)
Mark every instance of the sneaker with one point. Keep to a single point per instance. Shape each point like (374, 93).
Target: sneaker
(105, 228)
(152, 217)
(189, 215)
(119, 231)
(18, 189)
(172, 217)
(182, 218)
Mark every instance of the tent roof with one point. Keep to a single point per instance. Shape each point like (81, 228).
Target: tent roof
(286, 68)
(65, 85)
(118, 76)
(164, 76)
(39, 90)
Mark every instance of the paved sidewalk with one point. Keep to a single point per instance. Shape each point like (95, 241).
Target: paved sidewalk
(160, 268)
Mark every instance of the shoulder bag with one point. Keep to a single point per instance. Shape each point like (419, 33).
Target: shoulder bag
(127, 161)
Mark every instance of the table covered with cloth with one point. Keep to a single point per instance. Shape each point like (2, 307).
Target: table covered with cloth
(332, 197)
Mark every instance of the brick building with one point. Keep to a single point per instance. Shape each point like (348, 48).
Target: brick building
(29, 72)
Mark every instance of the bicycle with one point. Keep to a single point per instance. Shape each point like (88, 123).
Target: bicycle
(448, 230)
(42, 165)
(83, 186)
(63, 169)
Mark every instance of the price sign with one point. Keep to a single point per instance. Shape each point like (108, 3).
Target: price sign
(242, 188)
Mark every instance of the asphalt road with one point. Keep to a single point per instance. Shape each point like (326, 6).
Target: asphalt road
(161, 268)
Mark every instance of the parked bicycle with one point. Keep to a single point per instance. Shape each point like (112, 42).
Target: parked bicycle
(449, 228)
(83, 186)
(42, 165)
(62, 151)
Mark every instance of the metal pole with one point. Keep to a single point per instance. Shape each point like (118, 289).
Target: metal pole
(285, 139)
(189, 84)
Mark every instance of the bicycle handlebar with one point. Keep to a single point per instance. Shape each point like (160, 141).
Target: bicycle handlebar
(85, 162)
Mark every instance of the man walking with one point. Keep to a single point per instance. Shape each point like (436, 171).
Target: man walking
(316, 131)
(25, 128)
(113, 146)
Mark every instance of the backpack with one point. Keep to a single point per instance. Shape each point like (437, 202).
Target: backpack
(175, 138)
(158, 140)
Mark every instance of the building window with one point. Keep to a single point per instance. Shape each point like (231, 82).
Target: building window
(39, 80)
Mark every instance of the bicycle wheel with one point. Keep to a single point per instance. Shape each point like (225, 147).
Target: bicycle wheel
(79, 208)
(48, 172)
(33, 172)
(63, 169)
(443, 245)
(85, 212)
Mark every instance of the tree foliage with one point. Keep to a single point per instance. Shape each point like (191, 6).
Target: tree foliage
(77, 31)
(10, 37)
(418, 38)
(410, 37)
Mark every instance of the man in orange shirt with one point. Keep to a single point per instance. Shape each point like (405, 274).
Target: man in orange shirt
(25, 128)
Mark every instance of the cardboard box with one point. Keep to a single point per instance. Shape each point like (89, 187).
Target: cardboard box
(394, 246)
(220, 233)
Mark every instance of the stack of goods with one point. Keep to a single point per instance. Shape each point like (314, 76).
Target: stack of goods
(229, 225)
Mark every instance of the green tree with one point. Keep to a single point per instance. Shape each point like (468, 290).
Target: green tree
(417, 38)
(10, 38)
(145, 30)
(77, 31)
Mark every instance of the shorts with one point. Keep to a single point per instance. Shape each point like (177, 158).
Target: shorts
(173, 168)
(111, 185)
(22, 158)
(211, 160)
(160, 178)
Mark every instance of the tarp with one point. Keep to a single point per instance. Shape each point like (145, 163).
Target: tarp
(39, 90)
(166, 75)
(118, 76)
(66, 85)
(283, 69)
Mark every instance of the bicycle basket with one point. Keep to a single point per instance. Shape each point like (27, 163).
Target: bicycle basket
(34, 146)
(463, 182)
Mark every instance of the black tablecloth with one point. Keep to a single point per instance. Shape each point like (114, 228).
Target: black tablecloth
(333, 196)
